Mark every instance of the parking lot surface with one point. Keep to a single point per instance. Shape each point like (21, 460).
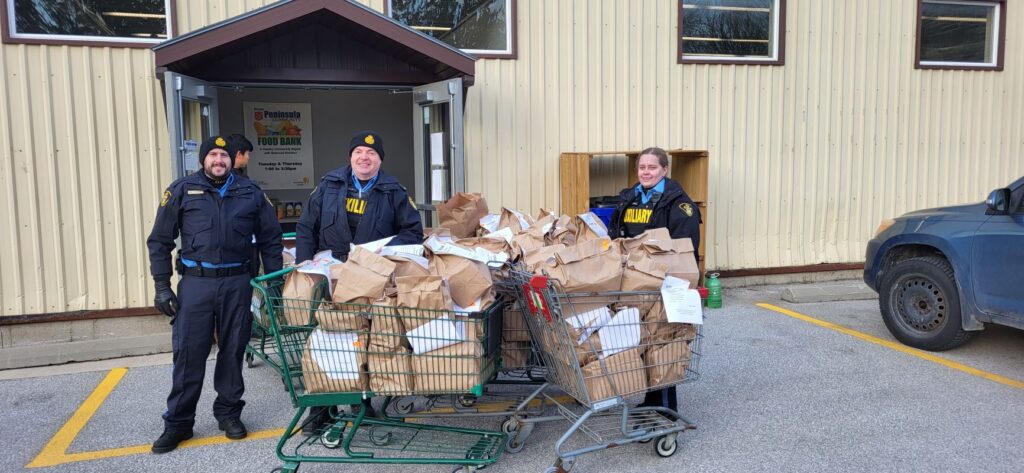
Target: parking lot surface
(784, 387)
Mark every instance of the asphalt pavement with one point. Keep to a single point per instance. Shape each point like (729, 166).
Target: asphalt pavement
(776, 393)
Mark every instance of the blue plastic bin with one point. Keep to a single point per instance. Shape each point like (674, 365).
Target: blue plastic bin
(604, 213)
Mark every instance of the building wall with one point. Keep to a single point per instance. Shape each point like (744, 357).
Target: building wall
(806, 158)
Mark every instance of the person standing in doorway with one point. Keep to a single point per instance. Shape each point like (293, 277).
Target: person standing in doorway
(656, 202)
(216, 213)
(240, 148)
(355, 204)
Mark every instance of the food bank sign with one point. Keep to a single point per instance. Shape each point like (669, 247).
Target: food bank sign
(282, 138)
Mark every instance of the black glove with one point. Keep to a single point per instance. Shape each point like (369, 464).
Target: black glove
(166, 302)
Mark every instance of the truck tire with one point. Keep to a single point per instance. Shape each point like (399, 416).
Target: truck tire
(920, 304)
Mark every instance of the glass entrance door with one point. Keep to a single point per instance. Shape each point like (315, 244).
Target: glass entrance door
(438, 144)
(191, 118)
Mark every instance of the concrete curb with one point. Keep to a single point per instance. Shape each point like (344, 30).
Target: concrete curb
(86, 350)
(828, 293)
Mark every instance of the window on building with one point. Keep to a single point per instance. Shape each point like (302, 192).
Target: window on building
(485, 28)
(961, 34)
(732, 31)
(127, 22)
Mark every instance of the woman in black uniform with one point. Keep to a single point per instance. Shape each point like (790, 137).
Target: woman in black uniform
(654, 202)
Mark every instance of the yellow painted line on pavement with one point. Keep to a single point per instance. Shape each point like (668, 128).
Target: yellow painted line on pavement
(898, 347)
(55, 451)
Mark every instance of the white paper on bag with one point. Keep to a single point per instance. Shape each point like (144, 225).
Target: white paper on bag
(590, 322)
(374, 246)
(321, 265)
(290, 251)
(476, 254)
(490, 222)
(595, 226)
(621, 333)
(682, 304)
(503, 234)
(436, 334)
(336, 353)
(404, 251)
(256, 306)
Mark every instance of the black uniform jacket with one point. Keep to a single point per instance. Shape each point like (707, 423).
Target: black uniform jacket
(674, 210)
(324, 222)
(214, 229)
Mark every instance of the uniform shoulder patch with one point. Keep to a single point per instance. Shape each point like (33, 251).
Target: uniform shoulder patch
(165, 198)
(687, 208)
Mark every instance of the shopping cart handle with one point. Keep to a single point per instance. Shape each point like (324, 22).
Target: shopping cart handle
(275, 274)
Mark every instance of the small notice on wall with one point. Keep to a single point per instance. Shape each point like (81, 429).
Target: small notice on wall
(282, 140)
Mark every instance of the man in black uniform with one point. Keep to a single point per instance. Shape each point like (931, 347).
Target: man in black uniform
(216, 213)
(656, 202)
(355, 204)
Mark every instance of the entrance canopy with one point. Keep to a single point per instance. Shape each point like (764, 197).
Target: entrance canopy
(313, 41)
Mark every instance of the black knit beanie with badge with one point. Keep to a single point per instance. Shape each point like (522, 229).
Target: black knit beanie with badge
(370, 139)
(212, 143)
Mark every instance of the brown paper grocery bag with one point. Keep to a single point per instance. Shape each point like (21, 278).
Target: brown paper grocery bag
(642, 274)
(387, 333)
(455, 368)
(494, 245)
(349, 317)
(297, 298)
(334, 362)
(391, 374)
(589, 227)
(419, 297)
(515, 354)
(629, 246)
(408, 266)
(541, 259)
(656, 327)
(362, 277)
(562, 231)
(592, 266)
(667, 362)
(467, 279)
(513, 220)
(514, 328)
(462, 213)
(624, 369)
(677, 255)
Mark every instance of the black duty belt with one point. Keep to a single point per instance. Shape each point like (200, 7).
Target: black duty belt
(202, 272)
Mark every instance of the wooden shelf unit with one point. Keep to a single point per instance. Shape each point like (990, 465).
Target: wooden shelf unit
(687, 167)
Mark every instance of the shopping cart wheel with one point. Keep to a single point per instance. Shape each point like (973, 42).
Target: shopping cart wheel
(331, 438)
(379, 440)
(468, 469)
(250, 360)
(404, 405)
(467, 400)
(515, 444)
(561, 466)
(510, 425)
(666, 446)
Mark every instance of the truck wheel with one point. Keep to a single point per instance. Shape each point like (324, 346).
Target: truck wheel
(920, 304)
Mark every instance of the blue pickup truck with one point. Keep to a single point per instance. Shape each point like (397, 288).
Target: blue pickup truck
(941, 274)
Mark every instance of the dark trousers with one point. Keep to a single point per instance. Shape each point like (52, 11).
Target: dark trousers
(208, 304)
(665, 397)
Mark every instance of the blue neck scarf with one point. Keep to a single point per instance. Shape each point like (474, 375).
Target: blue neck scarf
(361, 188)
(646, 196)
(223, 190)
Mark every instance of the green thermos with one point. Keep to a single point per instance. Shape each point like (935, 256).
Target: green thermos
(714, 291)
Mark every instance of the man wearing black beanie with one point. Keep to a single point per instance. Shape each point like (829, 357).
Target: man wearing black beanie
(355, 204)
(216, 213)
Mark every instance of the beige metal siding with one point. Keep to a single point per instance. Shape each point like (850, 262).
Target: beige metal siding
(806, 158)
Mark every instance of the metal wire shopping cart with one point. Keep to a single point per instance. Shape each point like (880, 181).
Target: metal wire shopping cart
(380, 350)
(605, 349)
(261, 345)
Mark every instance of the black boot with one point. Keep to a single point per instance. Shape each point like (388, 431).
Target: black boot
(317, 418)
(170, 439)
(233, 428)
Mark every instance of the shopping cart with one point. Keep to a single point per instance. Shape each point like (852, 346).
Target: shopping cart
(261, 343)
(513, 392)
(604, 350)
(451, 353)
